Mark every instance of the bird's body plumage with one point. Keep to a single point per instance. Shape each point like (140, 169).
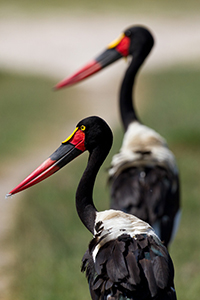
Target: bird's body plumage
(144, 174)
(110, 224)
(126, 260)
(142, 146)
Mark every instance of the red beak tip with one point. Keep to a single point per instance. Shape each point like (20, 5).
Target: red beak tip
(58, 87)
(55, 88)
(8, 195)
(61, 85)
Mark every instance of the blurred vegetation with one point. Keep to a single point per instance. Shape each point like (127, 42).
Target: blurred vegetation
(49, 237)
(169, 7)
(27, 113)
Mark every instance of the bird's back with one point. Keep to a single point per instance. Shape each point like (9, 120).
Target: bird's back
(144, 180)
(151, 194)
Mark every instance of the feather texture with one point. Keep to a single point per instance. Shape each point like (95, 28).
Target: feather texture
(142, 146)
(110, 224)
(130, 268)
(147, 180)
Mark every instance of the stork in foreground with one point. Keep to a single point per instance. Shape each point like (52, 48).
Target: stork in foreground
(125, 259)
(143, 175)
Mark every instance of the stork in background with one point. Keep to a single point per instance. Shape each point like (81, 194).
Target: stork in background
(143, 175)
(125, 259)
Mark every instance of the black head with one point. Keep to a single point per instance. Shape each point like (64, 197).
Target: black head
(136, 41)
(141, 39)
(90, 134)
(97, 133)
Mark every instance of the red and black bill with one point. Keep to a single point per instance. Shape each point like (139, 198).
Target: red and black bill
(72, 147)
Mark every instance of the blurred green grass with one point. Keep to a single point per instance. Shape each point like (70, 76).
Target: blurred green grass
(169, 7)
(22, 111)
(49, 238)
(27, 113)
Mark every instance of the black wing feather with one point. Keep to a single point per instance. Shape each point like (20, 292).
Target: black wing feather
(127, 268)
(116, 266)
(151, 194)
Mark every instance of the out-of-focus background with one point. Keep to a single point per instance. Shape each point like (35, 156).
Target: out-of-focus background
(41, 237)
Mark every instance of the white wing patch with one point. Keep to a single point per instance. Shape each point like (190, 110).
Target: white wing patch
(115, 223)
(139, 138)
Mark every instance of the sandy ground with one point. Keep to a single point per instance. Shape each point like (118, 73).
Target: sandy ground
(55, 45)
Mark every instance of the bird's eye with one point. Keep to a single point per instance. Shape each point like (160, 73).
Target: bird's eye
(128, 33)
(82, 127)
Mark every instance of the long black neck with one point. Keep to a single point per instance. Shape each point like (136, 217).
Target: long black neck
(127, 109)
(84, 200)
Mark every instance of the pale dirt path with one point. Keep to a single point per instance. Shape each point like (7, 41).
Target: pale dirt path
(56, 45)
(13, 173)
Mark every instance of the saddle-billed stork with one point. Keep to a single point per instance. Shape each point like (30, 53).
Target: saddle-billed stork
(143, 175)
(125, 259)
